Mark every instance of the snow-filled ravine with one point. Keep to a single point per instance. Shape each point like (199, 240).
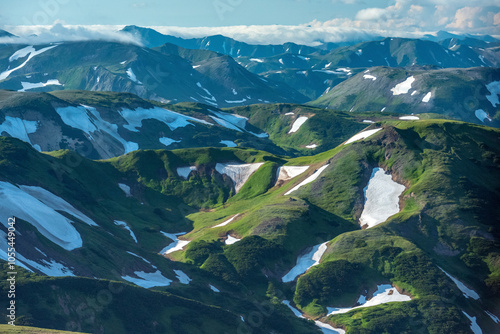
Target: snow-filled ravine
(285, 173)
(362, 135)
(385, 293)
(482, 115)
(239, 173)
(381, 198)
(310, 179)
(224, 223)
(148, 280)
(29, 50)
(306, 261)
(125, 189)
(297, 124)
(228, 143)
(473, 324)
(325, 328)
(231, 240)
(468, 293)
(38, 207)
(177, 243)
(125, 226)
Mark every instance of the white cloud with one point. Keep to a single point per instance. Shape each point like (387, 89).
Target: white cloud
(62, 33)
(372, 14)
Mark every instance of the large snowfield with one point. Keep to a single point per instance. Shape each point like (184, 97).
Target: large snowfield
(50, 223)
(381, 198)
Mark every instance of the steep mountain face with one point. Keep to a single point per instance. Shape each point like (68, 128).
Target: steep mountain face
(466, 94)
(217, 43)
(107, 66)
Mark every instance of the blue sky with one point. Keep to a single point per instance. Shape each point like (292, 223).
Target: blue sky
(188, 13)
(253, 21)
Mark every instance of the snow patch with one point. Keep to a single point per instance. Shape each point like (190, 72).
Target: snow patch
(177, 243)
(310, 179)
(89, 121)
(427, 97)
(29, 85)
(125, 188)
(168, 141)
(294, 310)
(227, 221)
(473, 326)
(493, 317)
(403, 87)
(381, 198)
(148, 280)
(298, 123)
(367, 121)
(231, 240)
(312, 146)
(239, 173)
(305, 261)
(172, 119)
(182, 277)
(228, 143)
(409, 118)
(493, 88)
(482, 115)
(140, 257)
(468, 293)
(328, 329)
(213, 288)
(21, 54)
(385, 293)
(19, 128)
(185, 171)
(236, 101)
(131, 76)
(362, 135)
(125, 226)
(51, 224)
(368, 76)
(257, 60)
(285, 173)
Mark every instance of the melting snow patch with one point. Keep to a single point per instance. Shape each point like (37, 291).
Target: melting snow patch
(131, 76)
(89, 121)
(414, 92)
(359, 52)
(298, 123)
(51, 268)
(168, 141)
(368, 76)
(125, 225)
(21, 54)
(50, 223)
(383, 109)
(493, 317)
(140, 257)
(18, 128)
(305, 261)
(310, 179)
(231, 240)
(176, 245)
(125, 188)
(227, 221)
(235, 119)
(185, 171)
(29, 85)
(56, 203)
(494, 89)
(228, 143)
(381, 198)
(257, 60)
(473, 326)
(182, 277)
(403, 87)
(409, 118)
(482, 115)
(367, 121)
(289, 114)
(385, 294)
(172, 119)
(285, 173)
(362, 135)
(236, 101)
(468, 293)
(427, 97)
(148, 280)
(327, 329)
(294, 310)
(239, 173)
(312, 146)
(213, 288)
